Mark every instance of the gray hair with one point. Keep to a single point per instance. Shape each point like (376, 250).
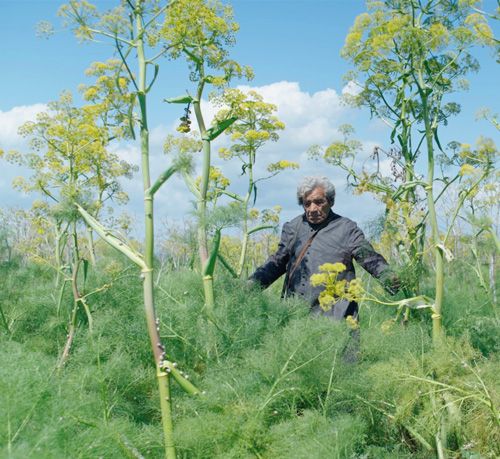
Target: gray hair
(308, 184)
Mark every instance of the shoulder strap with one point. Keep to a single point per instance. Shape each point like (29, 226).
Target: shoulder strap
(301, 255)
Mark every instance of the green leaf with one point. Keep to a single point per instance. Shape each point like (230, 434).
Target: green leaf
(227, 265)
(186, 99)
(191, 184)
(192, 56)
(406, 186)
(210, 265)
(393, 132)
(85, 270)
(255, 229)
(219, 128)
(111, 239)
(446, 252)
(130, 116)
(157, 69)
(117, 83)
(436, 138)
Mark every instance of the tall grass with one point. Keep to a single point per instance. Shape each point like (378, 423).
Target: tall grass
(280, 386)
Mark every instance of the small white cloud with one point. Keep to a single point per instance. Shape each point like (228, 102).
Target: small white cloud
(11, 120)
(352, 88)
(158, 135)
(129, 152)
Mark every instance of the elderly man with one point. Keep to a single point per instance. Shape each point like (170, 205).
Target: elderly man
(316, 237)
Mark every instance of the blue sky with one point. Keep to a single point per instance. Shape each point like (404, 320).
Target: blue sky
(293, 47)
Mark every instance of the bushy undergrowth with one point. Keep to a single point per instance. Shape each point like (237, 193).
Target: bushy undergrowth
(277, 383)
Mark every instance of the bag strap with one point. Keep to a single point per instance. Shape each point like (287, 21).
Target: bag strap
(298, 260)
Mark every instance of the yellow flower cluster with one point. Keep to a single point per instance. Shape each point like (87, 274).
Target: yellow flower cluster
(253, 136)
(253, 214)
(355, 290)
(352, 322)
(218, 178)
(326, 301)
(467, 169)
(335, 289)
(332, 268)
(225, 153)
(283, 164)
(318, 279)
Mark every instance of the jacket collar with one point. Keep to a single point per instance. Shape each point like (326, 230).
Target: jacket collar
(317, 226)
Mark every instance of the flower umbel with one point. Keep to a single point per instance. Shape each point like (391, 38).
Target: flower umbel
(335, 288)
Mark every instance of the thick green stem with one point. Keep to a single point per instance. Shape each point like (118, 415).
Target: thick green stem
(73, 321)
(244, 248)
(416, 243)
(166, 409)
(61, 296)
(76, 299)
(90, 239)
(157, 347)
(61, 240)
(202, 205)
(159, 355)
(208, 288)
(251, 186)
(111, 239)
(437, 330)
(69, 338)
(58, 258)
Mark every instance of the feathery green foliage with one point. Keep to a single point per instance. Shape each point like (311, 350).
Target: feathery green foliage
(279, 384)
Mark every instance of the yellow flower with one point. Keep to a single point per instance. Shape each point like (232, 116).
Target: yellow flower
(352, 322)
(326, 301)
(467, 169)
(332, 268)
(281, 165)
(90, 93)
(355, 290)
(318, 279)
(225, 153)
(339, 288)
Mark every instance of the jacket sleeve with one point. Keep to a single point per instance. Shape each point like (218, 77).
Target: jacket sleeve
(364, 253)
(276, 264)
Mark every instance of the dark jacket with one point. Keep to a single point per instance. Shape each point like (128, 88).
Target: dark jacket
(338, 240)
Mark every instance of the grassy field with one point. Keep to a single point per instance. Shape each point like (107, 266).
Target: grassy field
(278, 383)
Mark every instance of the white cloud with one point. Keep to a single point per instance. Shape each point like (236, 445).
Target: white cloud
(158, 134)
(352, 88)
(310, 118)
(129, 152)
(11, 120)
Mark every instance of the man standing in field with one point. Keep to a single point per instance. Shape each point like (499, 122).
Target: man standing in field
(321, 236)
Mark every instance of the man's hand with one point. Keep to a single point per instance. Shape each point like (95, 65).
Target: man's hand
(390, 281)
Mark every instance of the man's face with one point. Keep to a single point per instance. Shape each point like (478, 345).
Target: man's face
(316, 206)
